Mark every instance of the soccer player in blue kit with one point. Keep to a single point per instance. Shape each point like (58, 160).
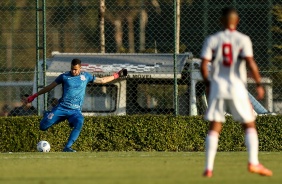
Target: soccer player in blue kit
(69, 106)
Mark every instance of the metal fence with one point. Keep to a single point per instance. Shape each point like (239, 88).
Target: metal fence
(144, 36)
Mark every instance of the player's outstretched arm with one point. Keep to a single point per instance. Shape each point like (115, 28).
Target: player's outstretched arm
(256, 76)
(103, 80)
(42, 91)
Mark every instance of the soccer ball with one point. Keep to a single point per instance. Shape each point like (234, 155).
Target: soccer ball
(43, 146)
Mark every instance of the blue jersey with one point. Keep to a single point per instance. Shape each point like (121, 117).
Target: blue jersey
(73, 89)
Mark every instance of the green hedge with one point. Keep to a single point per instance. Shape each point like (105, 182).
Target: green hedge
(136, 133)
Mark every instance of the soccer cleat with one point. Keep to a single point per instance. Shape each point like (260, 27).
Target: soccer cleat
(68, 150)
(259, 169)
(207, 173)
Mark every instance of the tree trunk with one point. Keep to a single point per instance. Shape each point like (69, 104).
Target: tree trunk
(12, 25)
(102, 25)
(130, 20)
(177, 31)
(118, 34)
(143, 23)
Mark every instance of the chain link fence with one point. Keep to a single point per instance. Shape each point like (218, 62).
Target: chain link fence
(140, 35)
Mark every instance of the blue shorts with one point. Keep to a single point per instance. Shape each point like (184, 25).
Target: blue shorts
(59, 114)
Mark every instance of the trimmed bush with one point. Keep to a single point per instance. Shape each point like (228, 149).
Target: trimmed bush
(136, 133)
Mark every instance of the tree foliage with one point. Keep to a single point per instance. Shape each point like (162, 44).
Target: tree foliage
(277, 29)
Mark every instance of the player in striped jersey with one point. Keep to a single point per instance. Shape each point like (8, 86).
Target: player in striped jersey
(229, 52)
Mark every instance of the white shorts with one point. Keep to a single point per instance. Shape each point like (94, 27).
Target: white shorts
(240, 109)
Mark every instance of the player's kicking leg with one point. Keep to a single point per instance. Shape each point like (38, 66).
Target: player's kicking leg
(51, 118)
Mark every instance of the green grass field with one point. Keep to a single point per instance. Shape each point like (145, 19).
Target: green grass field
(132, 168)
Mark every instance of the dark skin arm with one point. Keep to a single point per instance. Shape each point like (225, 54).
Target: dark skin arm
(104, 80)
(42, 91)
(47, 88)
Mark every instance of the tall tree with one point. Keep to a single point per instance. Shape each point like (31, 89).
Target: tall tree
(102, 25)
(276, 67)
(10, 24)
(128, 11)
(277, 11)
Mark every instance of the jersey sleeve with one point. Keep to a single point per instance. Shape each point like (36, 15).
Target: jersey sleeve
(59, 79)
(247, 49)
(91, 78)
(206, 52)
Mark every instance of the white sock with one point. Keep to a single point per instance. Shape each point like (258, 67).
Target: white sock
(251, 141)
(211, 149)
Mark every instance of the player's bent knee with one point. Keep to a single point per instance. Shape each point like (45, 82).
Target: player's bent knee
(44, 125)
(79, 124)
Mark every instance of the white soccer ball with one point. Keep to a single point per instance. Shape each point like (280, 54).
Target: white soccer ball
(43, 146)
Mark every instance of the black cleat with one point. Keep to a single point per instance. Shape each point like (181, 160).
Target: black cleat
(68, 150)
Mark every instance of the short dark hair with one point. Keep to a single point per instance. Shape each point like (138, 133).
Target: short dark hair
(75, 62)
(227, 10)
